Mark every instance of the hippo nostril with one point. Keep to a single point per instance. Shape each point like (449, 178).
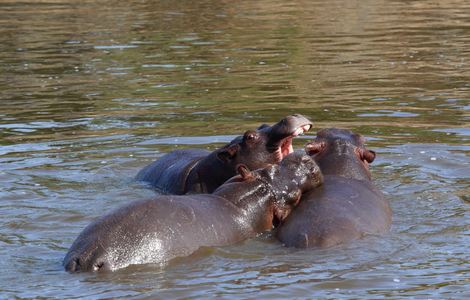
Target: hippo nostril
(73, 265)
(97, 266)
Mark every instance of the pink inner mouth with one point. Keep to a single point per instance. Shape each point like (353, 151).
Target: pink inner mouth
(286, 144)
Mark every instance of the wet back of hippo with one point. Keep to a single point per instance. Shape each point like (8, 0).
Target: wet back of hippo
(170, 173)
(343, 209)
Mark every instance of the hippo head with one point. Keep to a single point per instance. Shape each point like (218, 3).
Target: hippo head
(341, 152)
(284, 183)
(298, 173)
(266, 145)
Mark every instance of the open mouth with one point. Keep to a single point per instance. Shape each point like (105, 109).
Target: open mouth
(285, 145)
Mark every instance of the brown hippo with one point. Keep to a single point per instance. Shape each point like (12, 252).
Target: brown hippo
(165, 227)
(200, 171)
(347, 205)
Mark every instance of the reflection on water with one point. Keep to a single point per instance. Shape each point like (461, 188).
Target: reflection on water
(92, 91)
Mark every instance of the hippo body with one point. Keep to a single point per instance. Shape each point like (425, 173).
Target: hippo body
(341, 210)
(178, 165)
(347, 206)
(156, 230)
(199, 171)
(169, 226)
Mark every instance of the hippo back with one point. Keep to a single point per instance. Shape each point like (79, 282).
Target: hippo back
(170, 173)
(341, 210)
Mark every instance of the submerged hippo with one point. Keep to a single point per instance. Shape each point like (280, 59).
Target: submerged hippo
(159, 229)
(200, 171)
(347, 205)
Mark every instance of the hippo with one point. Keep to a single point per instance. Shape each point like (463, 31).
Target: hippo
(194, 171)
(169, 226)
(348, 205)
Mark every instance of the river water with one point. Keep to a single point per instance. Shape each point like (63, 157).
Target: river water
(91, 91)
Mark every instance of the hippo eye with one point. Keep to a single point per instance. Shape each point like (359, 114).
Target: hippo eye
(251, 136)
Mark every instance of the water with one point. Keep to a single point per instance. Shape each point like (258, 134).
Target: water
(91, 91)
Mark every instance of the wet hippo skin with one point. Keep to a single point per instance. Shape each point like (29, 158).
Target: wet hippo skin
(348, 205)
(199, 171)
(165, 227)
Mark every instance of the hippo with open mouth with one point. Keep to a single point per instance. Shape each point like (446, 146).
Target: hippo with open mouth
(200, 171)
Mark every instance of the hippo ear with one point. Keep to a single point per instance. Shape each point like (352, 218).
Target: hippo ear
(228, 153)
(314, 147)
(367, 155)
(244, 172)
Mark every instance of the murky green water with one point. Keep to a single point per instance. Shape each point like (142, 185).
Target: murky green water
(91, 91)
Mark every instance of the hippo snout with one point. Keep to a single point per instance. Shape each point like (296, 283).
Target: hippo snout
(76, 265)
(80, 263)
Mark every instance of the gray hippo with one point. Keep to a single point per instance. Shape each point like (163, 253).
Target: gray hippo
(347, 205)
(169, 226)
(200, 171)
